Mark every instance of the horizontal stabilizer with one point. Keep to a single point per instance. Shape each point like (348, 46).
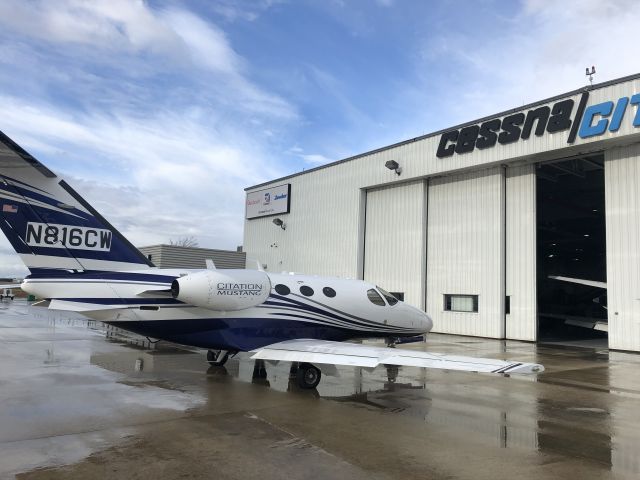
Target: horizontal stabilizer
(358, 355)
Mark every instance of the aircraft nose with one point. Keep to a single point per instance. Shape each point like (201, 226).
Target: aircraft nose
(427, 322)
(422, 320)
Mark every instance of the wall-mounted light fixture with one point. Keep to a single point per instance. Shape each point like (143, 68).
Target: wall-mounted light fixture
(279, 223)
(393, 165)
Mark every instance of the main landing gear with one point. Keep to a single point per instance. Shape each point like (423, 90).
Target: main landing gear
(308, 376)
(217, 358)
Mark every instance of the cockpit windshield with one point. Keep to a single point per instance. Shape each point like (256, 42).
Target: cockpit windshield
(390, 298)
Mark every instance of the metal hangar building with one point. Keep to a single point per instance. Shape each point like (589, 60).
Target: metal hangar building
(474, 223)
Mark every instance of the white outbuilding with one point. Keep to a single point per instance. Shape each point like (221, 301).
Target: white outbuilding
(473, 223)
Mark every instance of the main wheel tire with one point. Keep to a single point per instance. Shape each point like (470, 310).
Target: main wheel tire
(308, 376)
(217, 358)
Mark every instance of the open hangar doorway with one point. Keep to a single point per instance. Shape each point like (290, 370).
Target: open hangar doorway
(571, 250)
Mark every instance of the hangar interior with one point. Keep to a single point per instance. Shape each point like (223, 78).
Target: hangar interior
(571, 241)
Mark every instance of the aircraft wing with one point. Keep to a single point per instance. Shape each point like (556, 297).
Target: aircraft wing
(358, 355)
(10, 285)
(580, 281)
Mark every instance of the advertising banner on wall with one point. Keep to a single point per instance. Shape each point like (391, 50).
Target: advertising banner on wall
(270, 201)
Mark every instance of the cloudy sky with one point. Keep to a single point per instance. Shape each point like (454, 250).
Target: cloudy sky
(161, 112)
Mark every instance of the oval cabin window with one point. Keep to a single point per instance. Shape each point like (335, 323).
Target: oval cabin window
(329, 292)
(306, 291)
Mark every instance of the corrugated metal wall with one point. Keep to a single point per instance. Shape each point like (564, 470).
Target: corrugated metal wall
(622, 210)
(321, 236)
(465, 244)
(394, 240)
(173, 256)
(522, 322)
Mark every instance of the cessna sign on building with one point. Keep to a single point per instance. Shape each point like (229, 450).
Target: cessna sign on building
(596, 120)
(522, 225)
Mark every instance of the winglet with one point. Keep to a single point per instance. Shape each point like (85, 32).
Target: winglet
(210, 264)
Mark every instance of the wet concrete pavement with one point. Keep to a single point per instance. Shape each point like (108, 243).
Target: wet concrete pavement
(76, 405)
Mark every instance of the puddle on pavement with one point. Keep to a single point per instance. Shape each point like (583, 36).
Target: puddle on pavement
(83, 379)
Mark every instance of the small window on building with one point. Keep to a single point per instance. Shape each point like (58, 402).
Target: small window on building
(282, 289)
(391, 300)
(461, 303)
(507, 304)
(306, 291)
(375, 297)
(329, 292)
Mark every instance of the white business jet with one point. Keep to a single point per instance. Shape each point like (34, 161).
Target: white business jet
(79, 262)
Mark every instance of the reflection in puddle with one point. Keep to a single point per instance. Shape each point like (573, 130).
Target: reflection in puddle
(510, 414)
(57, 405)
(528, 420)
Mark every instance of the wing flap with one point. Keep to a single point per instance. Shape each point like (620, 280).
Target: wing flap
(81, 307)
(319, 351)
(155, 292)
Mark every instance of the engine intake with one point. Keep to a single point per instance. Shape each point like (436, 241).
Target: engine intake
(222, 290)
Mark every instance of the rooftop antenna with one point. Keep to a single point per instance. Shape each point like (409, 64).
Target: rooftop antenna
(590, 74)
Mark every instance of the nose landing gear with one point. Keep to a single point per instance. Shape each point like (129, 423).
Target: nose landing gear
(218, 358)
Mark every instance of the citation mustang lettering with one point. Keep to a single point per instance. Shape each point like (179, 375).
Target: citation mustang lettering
(240, 288)
(79, 262)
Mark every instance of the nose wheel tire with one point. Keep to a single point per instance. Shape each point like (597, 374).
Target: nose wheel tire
(217, 358)
(308, 376)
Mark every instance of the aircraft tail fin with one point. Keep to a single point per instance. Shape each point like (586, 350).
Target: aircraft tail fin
(50, 225)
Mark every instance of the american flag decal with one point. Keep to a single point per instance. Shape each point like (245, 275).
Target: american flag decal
(9, 208)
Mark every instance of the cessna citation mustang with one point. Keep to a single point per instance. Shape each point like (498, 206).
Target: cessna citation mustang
(78, 262)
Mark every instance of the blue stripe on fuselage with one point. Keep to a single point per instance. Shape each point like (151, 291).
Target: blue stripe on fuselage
(241, 334)
(125, 301)
(44, 274)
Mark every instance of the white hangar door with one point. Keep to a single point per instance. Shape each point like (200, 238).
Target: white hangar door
(622, 215)
(394, 250)
(465, 259)
(521, 313)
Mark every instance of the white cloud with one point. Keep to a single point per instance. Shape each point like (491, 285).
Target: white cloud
(541, 52)
(105, 24)
(144, 111)
(207, 45)
(308, 158)
(120, 33)
(158, 178)
(315, 159)
(248, 10)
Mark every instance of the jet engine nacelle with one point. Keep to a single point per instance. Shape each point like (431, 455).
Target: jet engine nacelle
(222, 290)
